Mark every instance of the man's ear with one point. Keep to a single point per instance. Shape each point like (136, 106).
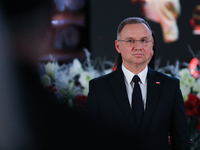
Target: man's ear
(117, 46)
(152, 53)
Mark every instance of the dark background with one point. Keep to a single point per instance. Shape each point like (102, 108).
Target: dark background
(105, 16)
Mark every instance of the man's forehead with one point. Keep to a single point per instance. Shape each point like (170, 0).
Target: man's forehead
(140, 24)
(141, 30)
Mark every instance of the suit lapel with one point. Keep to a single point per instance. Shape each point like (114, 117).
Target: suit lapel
(119, 89)
(154, 86)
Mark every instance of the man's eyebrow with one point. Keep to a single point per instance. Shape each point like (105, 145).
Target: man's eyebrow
(144, 37)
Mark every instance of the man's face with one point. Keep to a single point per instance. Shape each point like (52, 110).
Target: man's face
(135, 54)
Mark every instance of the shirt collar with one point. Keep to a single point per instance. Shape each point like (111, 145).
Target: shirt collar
(129, 75)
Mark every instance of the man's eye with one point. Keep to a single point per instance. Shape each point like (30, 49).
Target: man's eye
(143, 41)
(130, 41)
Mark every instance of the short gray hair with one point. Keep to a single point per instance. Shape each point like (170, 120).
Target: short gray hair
(131, 20)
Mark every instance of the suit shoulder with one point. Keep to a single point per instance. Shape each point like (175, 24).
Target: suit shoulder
(165, 76)
(168, 76)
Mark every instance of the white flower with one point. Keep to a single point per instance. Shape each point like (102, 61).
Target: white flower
(50, 68)
(190, 81)
(46, 81)
(185, 92)
(71, 80)
(75, 68)
(198, 95)
(196, 87)
(62, 79)
(186, 78)
(184, 73)
(183, 84)
(84, 79)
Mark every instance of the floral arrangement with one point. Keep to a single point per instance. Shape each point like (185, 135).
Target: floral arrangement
(70, 82)
(188, 75)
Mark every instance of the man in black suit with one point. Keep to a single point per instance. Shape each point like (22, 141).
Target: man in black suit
(160, 102)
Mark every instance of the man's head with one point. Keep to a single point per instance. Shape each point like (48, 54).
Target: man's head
(134, 42)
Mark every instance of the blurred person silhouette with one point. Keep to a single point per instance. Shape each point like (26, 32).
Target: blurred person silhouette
(35, 118)
(13, 129)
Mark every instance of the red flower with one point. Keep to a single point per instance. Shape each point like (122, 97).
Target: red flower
(191, 105)
(192, 98)
(81, 100)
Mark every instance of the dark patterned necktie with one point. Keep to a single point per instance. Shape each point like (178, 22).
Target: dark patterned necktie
(137, 103)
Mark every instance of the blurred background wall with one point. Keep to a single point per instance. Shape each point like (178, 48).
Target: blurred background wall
(173, 22)
(92, 24)
(69, 33)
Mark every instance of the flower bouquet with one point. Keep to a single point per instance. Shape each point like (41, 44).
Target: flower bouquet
(188, 75)
(70, 82)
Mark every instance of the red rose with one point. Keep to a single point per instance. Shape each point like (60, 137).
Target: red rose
(192, 105)
(193, 99)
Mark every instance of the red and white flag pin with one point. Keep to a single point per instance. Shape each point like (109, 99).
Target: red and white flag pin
(157, 82)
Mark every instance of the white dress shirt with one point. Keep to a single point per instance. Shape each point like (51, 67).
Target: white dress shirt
(128, 76)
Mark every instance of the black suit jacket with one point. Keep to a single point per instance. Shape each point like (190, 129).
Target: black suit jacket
(165, 111)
